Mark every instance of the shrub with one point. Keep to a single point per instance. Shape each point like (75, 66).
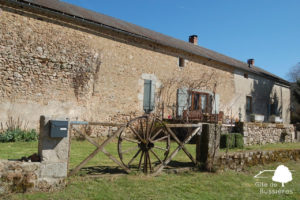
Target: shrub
(227, 141)
(232, 140)
(239, 140)
(17, 135)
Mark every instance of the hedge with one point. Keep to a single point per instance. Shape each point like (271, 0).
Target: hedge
(231, 140)
(239, 140)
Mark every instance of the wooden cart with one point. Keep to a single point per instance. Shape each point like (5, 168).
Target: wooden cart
(150, 140)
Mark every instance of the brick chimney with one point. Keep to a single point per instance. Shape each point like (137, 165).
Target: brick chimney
(250, 62)
(193, 39)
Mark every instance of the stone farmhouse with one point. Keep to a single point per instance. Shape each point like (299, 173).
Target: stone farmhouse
(62, 60)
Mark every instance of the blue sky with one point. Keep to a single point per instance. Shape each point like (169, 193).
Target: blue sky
(266, 30)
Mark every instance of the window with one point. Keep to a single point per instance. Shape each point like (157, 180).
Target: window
(201, 101)
(181, 62)
(149, 92)
(245, 75)
(249, 104)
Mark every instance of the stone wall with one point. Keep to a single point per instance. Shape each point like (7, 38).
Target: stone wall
(264, 133)
(17, 176)
(48, 174)
(239, 161)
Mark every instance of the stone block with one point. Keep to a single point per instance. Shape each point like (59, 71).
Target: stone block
(30, 167)
(54, 170)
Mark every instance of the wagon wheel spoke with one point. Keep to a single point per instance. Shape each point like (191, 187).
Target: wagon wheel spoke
(132, 159)
(142, 129)
(156, 134)
(140, 162)
(130, 140)
(145, 162)
(150, 128)
(156, 155)
(136, 133)
(160, 139)
(149, 160)
(130, 149)
(161, 148)
(147, 128)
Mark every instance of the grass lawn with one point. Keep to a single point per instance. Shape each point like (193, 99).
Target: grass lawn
(192, 185)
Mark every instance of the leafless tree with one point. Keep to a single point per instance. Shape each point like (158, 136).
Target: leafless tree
(294, 73)
(166, 95)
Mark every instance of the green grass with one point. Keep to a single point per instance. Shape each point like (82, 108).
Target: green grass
(266, 147)
(192, 185)
(81, 149)
(16, 150)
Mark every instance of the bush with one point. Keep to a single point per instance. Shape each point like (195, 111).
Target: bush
(232, 140)
(17, 135)
(239, 140)
(227, 141)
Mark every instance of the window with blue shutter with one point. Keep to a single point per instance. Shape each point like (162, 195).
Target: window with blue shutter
(196, 100)
(149, 96)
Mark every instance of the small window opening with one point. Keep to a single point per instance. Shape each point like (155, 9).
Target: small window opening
(249, 104)
(181, 62)
(149, 96)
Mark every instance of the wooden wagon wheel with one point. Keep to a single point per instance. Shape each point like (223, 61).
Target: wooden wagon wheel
(144, 144)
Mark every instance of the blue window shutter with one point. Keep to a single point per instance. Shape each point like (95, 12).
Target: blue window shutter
(149, 96)
(182, 100)
(215, 104)
(152, 102)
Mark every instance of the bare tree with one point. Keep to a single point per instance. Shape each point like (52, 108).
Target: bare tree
(167, 93)
(294, 73)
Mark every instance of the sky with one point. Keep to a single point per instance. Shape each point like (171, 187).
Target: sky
(266, 30)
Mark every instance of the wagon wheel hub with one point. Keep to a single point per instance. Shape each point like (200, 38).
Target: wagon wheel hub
(146, 146)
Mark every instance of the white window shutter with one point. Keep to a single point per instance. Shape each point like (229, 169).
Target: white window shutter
(215, 104)
(182, 100)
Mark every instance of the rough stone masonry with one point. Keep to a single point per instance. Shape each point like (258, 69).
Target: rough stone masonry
(51, 65)
(266, 133)
(47, 175)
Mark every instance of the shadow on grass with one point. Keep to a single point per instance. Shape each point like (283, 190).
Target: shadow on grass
(113, 170)
(177, 164)
(101, 170)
